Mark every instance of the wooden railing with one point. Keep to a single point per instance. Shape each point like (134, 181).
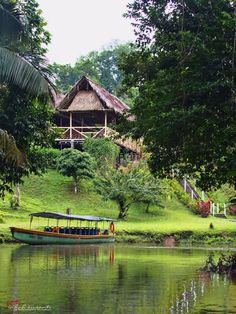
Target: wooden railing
(79, 133)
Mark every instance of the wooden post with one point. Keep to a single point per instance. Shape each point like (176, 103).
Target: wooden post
(82, 124)
(185, 185)
(70, 125)
(203, 195)
(105, 123)
(192, 193)
(213, 209)
(218, 208)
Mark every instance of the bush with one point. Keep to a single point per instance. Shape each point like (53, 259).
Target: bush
(232, 209)
(104, 151)
(76, 164)
(50, 156)
(204, 208)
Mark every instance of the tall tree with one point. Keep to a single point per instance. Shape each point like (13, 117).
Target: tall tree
(102, 67)
(24, 88)
(21, 51)
(184, 70)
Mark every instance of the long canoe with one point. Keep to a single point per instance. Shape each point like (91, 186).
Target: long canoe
(43, 237)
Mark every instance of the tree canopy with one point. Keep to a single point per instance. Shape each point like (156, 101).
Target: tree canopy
(25, 116)
(128, 186)
(76, 164)
(184, 69)
(104, 152)
(102, 67)
(23, 41)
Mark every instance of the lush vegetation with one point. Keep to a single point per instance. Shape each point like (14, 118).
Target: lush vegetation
(104, 152)
(25, 116)
(55, 192)
(76, 164)
(102, 67)
(185, 109)
(131, 185)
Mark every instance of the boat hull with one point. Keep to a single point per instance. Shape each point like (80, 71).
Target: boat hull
(41, 237)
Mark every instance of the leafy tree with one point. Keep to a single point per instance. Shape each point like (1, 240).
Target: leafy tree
(76, 164)
(129, 186)
(104, 152)
(184, 70)
(22, 34)
(102, 67)
(23, 77)
(67, 75)
(28, 126)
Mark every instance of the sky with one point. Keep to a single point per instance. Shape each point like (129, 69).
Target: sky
(81, 26)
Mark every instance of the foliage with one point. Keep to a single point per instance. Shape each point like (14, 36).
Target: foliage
(232, 209)
(52, 191)
(204, 208)
(9, 152)
(102, 67)
(76, 164)
(23, 76)
(128, 186)
(182, 195)
(28, 122)
(22, 47)
(185, 109)
(104, 152)
(50, 156)
(225, 264)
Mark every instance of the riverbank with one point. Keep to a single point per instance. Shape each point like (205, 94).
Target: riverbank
(170, 239)
(170, 223)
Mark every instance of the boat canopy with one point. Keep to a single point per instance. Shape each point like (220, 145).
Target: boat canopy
(70, 217)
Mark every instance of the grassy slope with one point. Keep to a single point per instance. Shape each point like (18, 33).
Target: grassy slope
(53, 192)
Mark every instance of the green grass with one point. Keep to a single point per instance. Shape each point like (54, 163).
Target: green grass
(53, 192)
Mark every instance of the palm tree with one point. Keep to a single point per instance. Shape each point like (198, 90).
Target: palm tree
(11, 153)
(15, 69)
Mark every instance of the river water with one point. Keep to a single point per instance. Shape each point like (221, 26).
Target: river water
(108, 279)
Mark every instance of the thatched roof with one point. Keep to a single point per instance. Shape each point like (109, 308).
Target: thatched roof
(86, 95)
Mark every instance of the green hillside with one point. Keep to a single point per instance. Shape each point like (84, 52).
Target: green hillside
(53, 192)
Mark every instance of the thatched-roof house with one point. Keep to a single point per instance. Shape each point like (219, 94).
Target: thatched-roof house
(88, 110)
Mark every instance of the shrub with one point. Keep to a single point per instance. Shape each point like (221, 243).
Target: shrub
(104, 151)
(50, 156)
(204, 208)
(232, 209)
(76, 164)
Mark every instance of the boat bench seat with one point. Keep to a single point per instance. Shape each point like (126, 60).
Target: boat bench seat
(74, 230)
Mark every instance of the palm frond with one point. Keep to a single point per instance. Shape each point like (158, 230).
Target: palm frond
(10, 25)
(9, 152)
(16, 70)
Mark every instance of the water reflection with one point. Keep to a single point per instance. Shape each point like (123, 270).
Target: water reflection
(110, 279)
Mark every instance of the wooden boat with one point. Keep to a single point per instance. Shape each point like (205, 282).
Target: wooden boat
(67, 235)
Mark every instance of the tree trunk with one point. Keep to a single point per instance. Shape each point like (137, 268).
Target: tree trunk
(76, 184)
(123, 209)
(18, 195)
(147, 208)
